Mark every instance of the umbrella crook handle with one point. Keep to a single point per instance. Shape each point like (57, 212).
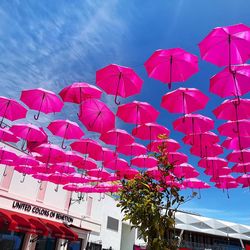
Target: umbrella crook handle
(228, 194)
(36, 117)
(41, 186)
(62, 145)
(5, 172)
(22, 181)
(23, 147)
(199, 195)
(56, 188)
(100, 197)
(39, 111)
(170, 73)
(117, 102)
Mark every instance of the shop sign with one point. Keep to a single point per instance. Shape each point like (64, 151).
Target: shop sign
(41, 211)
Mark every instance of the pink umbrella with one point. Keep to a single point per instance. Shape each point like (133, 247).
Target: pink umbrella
(11, 109)
(73, 157)
(132, 149)
(28, 132)
(184, 100)
(206, 138)
(26, 160)
(118, 81)
(7, 136)
(193, 123)
(226, 45)
(244, 180)
(79, 92)
(59, 179)
(185, 170)
(34, 144)
(65, 129)
(155, 173)
(117, 137)
(206, 150)
(150, 131)
(104, 155)
(79, 178)
(223, 178)
(241, 168)
(237, 143)
(167, 145)
(212, 162)
(96, 116)
(195, 183)
(116, 164)
(99, 173)
(215, 172)
(239, 156)
(129, 173)
(41, 100)
(227, 185)
(137, 112)
(171, 65)
(41, 176)
(25, 170)
(62, 168)
(144, 161)
(176, 158)
(235, 109)
(231, 81)
(86, 164)
(86, 146)
(50, 153)
(235, 128)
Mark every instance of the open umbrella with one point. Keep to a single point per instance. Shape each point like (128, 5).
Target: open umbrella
(176, 158)
(165, 145)
(96, 116)
(65, 129)
(244, 180)
(11, 109)
(144, 161)
(79, 92)
(241, 168)
(184, 100)
(241, 142)
(212, 162)
(205, 138)
(235, 109)
(86, 164)
(116, 164)
(28, 132)
(99, 173)
(193, 123)
(239, 156)
(132, 149)
(41, 100)
(171, 65)
(117, 137)
(185, 170)
(231, 81)
(128, 173)
(7, 157)
(119, 81)
(206, 150)
(226, 45)
(105, 154)
(150, 131)
(137, 112)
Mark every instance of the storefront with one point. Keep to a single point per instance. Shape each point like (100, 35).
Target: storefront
(27, 226)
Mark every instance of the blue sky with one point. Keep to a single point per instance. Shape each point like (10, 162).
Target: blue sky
(51, 44)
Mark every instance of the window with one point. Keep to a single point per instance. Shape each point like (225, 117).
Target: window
(45, 243)
(113, 224)
(74, 245)
(11, 240)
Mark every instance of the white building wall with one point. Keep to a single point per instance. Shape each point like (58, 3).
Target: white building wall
(128, 237)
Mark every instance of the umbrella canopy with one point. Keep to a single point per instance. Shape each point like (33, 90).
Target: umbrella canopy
(26, 160)
(176, 158)
(41, 100)
(86, 146)
(79, 92)
(62, 168)
(239, 156)
(235, 109)
(65, 129)
(231, 81)
(206, 138)
(96, 116)
(193, 123)
(244, 180)
(171, 65)
(227, 185)
(7, 136)
(28, 132)
(185, 170)
(11, 109)
(165, 145)
(128, 173)
(150, 131)
(206, 150)
(212, 162)
(119, 81)
(7, 155)
(99, 173)
(241, 168)
(226, 45)
(240, 142)
(116, 164)
(132, 149)
(50, 153)
(117, 137)
(144, 161)
(73, 157)
(105, 154)
(184, 100)
(195, 183)
(86, 164)
(215, 172)
(235, 128)
(137, 112)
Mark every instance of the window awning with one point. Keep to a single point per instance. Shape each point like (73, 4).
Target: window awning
(13, 221)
